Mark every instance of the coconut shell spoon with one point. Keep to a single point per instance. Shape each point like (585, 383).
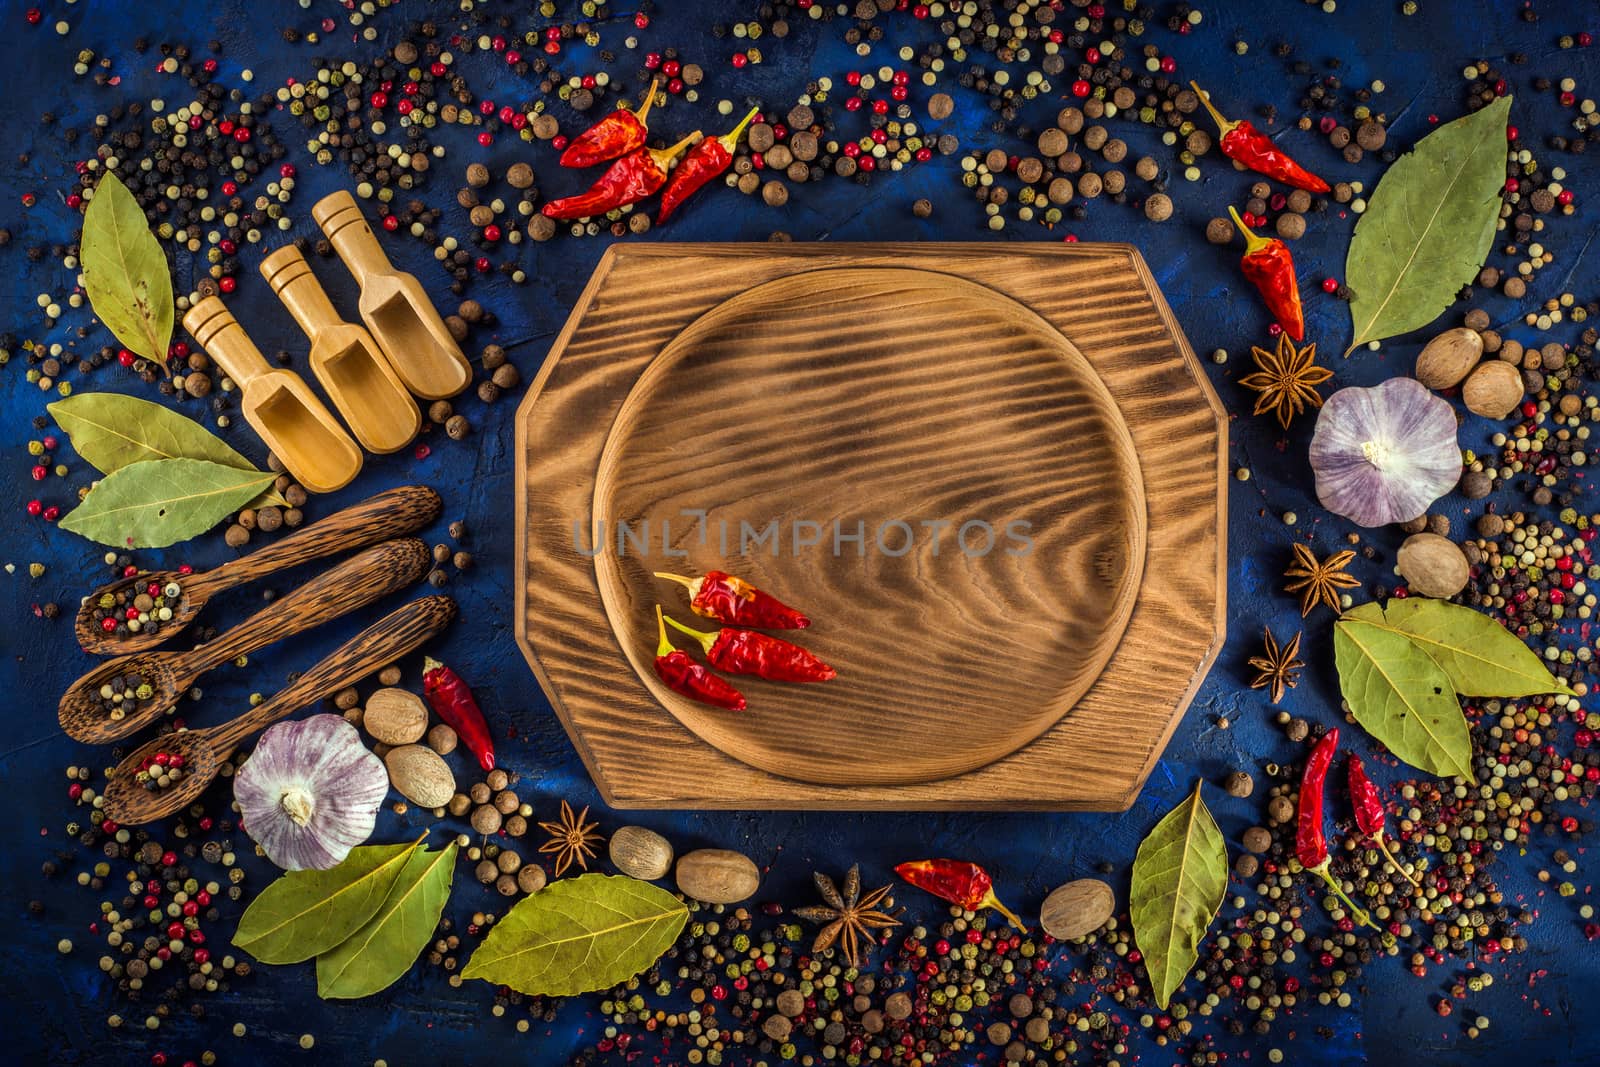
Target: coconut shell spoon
(203, 751)
(354, 583)
(392, 513)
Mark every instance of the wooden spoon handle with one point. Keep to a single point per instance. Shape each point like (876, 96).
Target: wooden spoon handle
(386, 640)
(392, 513)
(354, 583)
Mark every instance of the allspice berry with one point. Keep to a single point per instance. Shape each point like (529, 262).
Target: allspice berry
(1239, 784)
(1219, 231)
(477, 175)
(775, 193)
(1158, 207)
(520, 176)
(1257, 839)
(1290, 227)
(531, 878)
(457, 427)
(485, 820)
(923, 208)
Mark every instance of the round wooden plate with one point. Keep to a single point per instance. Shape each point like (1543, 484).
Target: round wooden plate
(898, 399)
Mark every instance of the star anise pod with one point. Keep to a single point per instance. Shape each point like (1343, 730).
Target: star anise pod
(1277, 668)
(573, 838)
(1286, 383)
(851, 918)
(1319, 583)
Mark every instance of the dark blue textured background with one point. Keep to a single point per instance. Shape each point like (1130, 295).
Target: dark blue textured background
(56, 1006)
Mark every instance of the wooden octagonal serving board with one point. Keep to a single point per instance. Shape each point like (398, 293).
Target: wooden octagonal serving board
(749, 408)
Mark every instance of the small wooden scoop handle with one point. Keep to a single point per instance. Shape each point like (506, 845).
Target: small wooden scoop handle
(392, 513)
(342, 219)
(394, 635)
(354, 583)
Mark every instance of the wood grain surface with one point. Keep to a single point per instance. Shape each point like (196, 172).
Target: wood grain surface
(837, 404)
(1102, 300)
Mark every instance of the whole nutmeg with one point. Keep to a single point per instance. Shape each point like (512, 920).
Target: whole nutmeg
(1493, 389)
(1432, 565)
(640, 853)
(1449, 358)
(1077, 909)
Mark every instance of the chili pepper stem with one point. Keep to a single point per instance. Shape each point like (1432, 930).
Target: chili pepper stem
(664, 647)
(649, 101)
(706, 640)
(1383, 846)
(1223, 125)
(1356, 911)
(993, 901)
(1252, 243)
(730, 140)
(691, 584)
(664, 156)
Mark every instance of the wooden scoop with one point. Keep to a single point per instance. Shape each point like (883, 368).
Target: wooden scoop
(391, 513)
(278, 403)
(394, 306)
(355, 583)
(203, 751)
(345, 358)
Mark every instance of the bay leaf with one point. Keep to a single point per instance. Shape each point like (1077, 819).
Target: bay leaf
(1179, 875)
(578, 935)
(384, 948)
(305, 913)
(111, 430)
(1479, 656)
(1399, 695)
(125, 271)
(158, 502)
(1428, 226)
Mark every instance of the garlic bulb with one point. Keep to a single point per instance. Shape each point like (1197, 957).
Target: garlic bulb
(1384, 454)
(310, 792)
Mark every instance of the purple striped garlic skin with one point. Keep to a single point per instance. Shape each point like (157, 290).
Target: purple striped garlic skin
(310, 792)
(1383, 454)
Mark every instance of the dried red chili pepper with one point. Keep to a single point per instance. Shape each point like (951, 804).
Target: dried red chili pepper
(615, 135)
(627, 181)
(964, 884)
(720, 596)
(1243, 142)
(453, 702)
(765, 656)
(683, 675)
(1369, 812)
(1269, 266)
(1310, 846)
(705, 161)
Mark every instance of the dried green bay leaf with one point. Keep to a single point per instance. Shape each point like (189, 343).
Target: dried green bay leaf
(1428, 226)
(386, 945)
(1399, 695)
(305, 913)
(1479, 656)
(158, 502)
(1179, 876)
(125, 272)
(578, 935)
(111, 430)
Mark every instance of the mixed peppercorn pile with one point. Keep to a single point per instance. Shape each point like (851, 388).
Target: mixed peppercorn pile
(1082, 105)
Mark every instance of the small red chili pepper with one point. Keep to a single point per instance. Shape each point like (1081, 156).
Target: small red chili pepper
(748, 652)
(453, 702)
(1269, 266)
(705, 161)
(1243, 142)
(721, 596)
(628, 180)
(683, 675)
(1369, 812)
(964, 884)
(1311, 848)
(615, 135)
